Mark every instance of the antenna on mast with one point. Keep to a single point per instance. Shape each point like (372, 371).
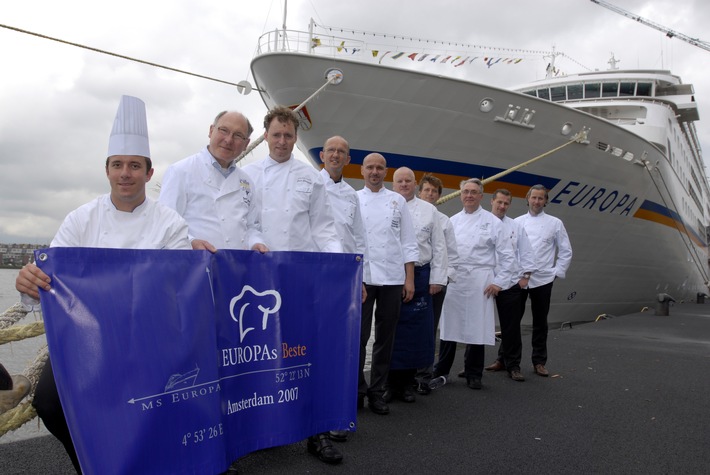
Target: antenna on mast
(551, 70)
(613, 62)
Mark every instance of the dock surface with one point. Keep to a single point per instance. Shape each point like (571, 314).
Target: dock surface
(629, 394)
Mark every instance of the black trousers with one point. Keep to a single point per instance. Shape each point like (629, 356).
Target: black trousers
(5, 379)
(49, 409)
(510, 313)
(540, 306)
(400, 379)
(473, 360)
(389, 301)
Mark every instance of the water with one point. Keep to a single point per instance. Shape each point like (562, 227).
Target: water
(16, 356)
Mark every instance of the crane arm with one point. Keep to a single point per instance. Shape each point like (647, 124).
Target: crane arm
(669, 33)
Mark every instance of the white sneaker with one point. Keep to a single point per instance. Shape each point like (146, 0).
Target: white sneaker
(437, 382)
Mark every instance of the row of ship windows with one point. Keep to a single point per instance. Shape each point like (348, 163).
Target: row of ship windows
(680, 165)
(593, 90)
(693, 216)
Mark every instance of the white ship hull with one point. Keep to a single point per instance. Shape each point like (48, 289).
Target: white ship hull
(629, 242)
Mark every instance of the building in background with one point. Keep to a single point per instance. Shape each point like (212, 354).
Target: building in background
(17, 255)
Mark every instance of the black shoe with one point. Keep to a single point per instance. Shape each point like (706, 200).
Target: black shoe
(360, 402)
(423, 389)
(474, 383)
(321, 446)
(338, 435)
(388, 396)
(379, 406)
(407, 395)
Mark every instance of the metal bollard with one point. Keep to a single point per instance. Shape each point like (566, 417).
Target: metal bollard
(663, 304)
(701, 297)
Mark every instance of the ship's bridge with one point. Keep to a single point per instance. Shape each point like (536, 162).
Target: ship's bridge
(608, 88)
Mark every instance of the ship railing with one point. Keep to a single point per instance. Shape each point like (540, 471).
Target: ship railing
(294, 41)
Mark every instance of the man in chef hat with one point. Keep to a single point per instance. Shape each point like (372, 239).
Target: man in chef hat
(124, 218)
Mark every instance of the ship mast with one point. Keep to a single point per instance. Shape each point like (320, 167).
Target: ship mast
(284, 25)
(613, 62)
(551, 70)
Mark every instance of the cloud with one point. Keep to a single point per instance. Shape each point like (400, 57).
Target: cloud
(58, 101)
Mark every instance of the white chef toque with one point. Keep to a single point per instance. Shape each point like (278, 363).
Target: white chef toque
(129, 135)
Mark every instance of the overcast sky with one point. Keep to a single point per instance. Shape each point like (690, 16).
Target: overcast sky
(57, 102)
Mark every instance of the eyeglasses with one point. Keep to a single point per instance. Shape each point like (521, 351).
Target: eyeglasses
(226, 133)
(333, 151)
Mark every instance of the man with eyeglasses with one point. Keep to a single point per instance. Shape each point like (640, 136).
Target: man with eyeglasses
(212, 194)
(343, 197)
(346, 212)
(486, 262)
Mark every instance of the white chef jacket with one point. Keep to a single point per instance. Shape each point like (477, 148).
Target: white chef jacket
(431, 242)
(99, 224)
(452, 251)
(548, 237)
(391, 241)
(221, 210)
(485, 257)
(524, 253)
(346, 212)
(296, 213)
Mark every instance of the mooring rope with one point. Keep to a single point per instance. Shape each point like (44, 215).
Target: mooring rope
(109, 53)
(23, 412)
(258, 141)
(12, 315)
(580, 137)
(21, 332)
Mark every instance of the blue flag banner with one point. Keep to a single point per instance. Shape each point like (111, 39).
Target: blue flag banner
(180, 362)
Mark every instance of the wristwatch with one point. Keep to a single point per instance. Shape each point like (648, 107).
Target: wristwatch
(527, 275)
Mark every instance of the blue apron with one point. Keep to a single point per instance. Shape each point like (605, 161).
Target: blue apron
(414, 339)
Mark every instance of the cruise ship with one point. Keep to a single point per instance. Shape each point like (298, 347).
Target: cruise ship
(622, 160)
